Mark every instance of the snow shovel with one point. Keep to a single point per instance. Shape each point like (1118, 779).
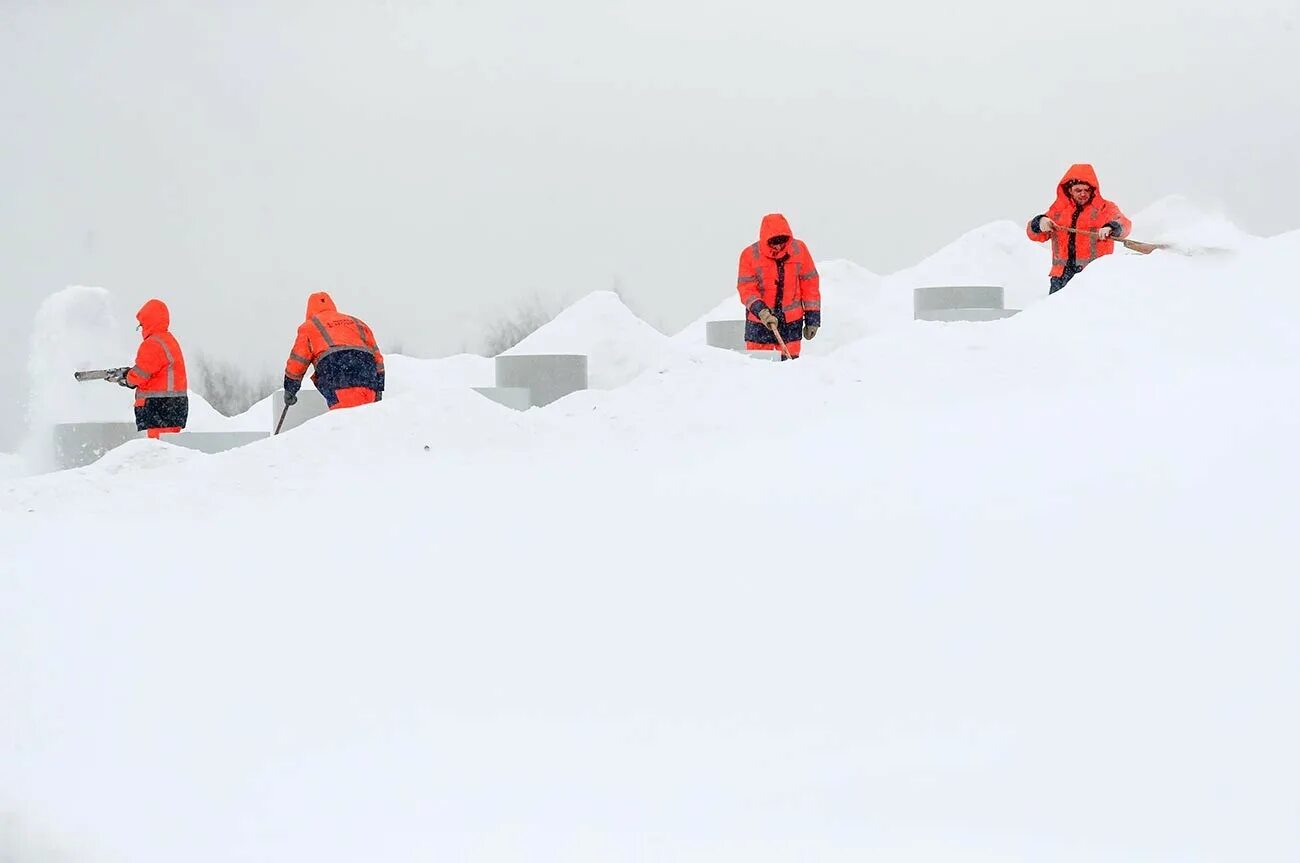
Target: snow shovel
(780, 341)
(1132, 245)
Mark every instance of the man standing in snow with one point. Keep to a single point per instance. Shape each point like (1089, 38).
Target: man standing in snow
(1095, 222)
(162, 401)
(779, 288)
(349, 366)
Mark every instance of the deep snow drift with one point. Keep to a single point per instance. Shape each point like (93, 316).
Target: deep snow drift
(1021, 590)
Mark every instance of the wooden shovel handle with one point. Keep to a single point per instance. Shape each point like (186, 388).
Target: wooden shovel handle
(780, 341)
(1131, 245)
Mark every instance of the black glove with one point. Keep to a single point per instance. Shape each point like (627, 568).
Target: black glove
(290, 399)
(379, 395)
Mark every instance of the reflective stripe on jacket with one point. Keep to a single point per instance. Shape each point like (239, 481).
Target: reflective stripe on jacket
(1079, 250)
(784, 282)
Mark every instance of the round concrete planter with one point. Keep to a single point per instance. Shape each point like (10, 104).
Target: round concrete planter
(547, 377)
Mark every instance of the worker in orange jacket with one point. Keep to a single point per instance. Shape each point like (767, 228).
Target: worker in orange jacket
(1079, 205)
(349, 367)
(779, 288)
(162, 402)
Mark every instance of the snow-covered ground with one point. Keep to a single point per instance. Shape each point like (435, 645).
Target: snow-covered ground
(1021, 590)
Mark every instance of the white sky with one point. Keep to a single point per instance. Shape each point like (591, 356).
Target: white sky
(433, 164)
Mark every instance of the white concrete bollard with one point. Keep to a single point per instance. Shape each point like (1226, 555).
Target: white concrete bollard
(959, 303)
(725, 334)
(730, 335)
(310, 404)
(547, 377)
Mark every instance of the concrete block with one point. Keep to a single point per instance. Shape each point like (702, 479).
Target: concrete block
(965, 314)
(518, 398)
(310, 404)
(547, 377)
(725, 334)
(214, 442)
(956, 297)
(80, 444)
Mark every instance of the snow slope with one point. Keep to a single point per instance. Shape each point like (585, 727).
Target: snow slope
(619, 345)
(403, 375)
(955, 592)
(998, 253)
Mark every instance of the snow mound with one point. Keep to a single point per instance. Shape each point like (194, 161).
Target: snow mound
(403, 376)
(998, 253)
(143, 455)
(421, 425)
(618, 344)
(851, 297)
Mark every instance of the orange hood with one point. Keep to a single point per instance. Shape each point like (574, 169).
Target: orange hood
(320, 302)
(774, 225)
(154, 318)
(1076, 173)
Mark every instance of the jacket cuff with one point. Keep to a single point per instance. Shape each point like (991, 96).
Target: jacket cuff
(291, 386)
(1116, 229)
(812, 319)
(757, 307)
(1036, 224)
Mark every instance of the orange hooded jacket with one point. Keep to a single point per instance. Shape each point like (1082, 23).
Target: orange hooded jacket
(349, 365)
(162, 402)
(783, 281)
(159, 369)
(1079, 249)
